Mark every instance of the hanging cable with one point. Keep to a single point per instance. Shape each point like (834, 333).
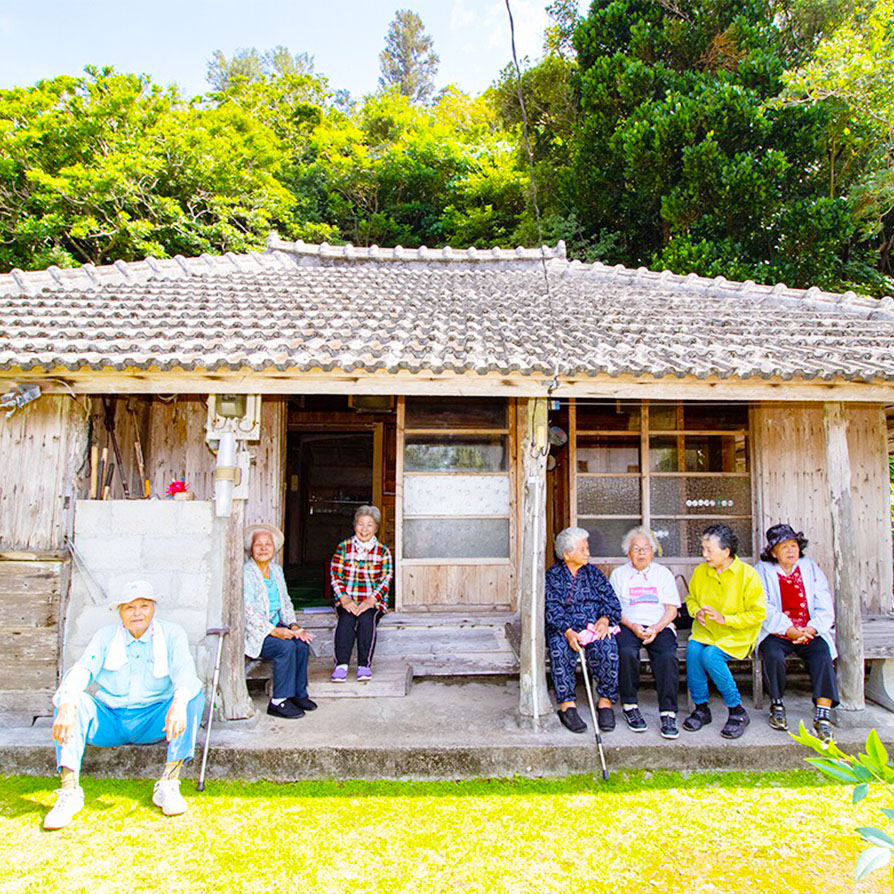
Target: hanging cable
(530, 155)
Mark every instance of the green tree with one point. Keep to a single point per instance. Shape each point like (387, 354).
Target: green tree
(249, 65)
(409, 63)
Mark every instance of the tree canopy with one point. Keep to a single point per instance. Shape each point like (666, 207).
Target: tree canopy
(751, 140)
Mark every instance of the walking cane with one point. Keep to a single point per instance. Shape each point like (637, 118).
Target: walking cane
(586, 671)
(220, 632)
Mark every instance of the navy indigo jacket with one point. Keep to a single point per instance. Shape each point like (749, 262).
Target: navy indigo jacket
(577, 601)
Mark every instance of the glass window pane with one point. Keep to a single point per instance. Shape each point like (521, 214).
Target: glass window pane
(455, 454)
(456, 412)
(667, 533)
(597, 454)
(742, 527)
(664, 454)
(613, 416)
(606, 534)
(608, 496)
(701, 453)
(711, 417)
(716, 453)
(663, 417)
(456, 495)
(456, 538)
(701, 496)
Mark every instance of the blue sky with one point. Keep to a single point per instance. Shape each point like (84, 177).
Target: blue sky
(172, 41)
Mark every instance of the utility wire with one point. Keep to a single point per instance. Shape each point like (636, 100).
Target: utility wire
(530, 154)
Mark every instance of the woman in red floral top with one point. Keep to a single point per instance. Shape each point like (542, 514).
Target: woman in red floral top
(800, 618)
(361, 572)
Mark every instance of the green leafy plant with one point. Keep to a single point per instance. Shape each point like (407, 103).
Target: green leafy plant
(862, 770)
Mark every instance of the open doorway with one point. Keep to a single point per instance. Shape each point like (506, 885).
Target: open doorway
(328, 474)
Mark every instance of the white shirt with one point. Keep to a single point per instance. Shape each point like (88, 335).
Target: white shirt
(645, 594)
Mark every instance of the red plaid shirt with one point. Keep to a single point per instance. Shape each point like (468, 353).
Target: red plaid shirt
(357, 576)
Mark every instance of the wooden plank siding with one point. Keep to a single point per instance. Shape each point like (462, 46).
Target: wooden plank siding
(44, 447)
(30, 605)
(791, 477)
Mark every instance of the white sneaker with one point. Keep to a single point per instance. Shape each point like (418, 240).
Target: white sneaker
(68, 802)
(166, 794)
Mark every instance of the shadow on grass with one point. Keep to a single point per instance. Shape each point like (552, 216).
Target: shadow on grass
(15, 800)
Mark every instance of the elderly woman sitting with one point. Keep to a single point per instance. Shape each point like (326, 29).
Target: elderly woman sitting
(649, 602)
(361, 572)
(271, 631)
(800, 616)
(727, 605)
(579, 598)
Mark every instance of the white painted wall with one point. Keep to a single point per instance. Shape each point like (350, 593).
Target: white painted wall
(175, 545)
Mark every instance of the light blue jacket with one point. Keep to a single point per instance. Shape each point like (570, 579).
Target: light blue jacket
(257, 605)
(820, 605)
(134, 684)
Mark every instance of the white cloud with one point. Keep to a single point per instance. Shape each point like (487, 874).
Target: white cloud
(461, 17)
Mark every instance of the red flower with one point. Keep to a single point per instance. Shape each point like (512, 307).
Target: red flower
(177, 486)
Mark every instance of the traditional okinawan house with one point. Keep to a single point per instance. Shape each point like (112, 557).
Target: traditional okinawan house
(483, 399)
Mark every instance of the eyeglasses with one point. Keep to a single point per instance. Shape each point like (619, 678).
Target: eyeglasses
(640, 549)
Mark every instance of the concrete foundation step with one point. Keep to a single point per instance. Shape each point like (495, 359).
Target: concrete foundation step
(391, 679)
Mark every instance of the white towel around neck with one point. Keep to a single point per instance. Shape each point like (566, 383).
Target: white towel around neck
(116, 657)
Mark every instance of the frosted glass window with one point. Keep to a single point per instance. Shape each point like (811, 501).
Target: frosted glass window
(667, 533)
(742, 527)
(606, 534)
(608, 496)
(456, 495)
(456, 538)
(701, 496)
(426, 453)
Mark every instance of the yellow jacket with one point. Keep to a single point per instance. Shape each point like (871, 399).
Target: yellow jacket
(737, 593)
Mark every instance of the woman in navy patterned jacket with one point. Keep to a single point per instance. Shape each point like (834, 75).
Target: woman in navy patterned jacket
(580, 600)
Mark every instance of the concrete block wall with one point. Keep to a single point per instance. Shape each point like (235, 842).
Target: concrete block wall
(175, 545)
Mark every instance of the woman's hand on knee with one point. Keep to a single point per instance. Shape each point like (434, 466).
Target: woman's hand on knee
(64, 723)
(573, 641)
(281, 633)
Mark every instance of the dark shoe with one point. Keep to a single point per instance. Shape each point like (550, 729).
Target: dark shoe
(304, 703)
(606, 718)
(288, 710)
(777, 717)
(635, 720)
(700, 717)
(735, 724)
(669, 727)
(572, 720)
(822, 726)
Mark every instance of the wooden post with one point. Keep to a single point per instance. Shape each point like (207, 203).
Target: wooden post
(534, 701)
(848, 599)
(237, 704)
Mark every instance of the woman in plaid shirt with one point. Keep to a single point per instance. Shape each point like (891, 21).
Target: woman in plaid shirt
(361, 572)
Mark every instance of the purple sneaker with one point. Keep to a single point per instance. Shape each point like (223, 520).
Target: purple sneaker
(364, 674)
(340, 674)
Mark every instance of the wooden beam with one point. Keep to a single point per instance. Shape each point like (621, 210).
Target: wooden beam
(848, 620)
(237, 704)
(534, 702)
(247, 381)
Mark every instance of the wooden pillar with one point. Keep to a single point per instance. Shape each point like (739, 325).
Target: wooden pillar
(848, 599)
(534, 701)
(237, 704)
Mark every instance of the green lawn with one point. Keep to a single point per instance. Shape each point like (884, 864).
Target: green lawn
(774, 832)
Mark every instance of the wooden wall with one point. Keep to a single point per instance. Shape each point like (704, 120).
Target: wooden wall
(790, 486)
(43, 448)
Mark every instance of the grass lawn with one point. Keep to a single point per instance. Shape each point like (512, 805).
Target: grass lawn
(729, 832)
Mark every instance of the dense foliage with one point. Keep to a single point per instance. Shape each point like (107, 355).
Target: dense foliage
(750, 140)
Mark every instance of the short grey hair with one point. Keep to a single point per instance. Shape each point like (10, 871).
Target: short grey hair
(370, 511)
(638, 531)
(566, 540)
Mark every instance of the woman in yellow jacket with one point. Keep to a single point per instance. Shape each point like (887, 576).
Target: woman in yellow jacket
(727, 603)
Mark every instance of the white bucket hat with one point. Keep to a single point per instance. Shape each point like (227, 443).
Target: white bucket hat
(272, 530)
(135, 589)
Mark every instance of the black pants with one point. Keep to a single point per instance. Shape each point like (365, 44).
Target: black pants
(815, 655)
(665, 665)
(289, 657)
(360, 628)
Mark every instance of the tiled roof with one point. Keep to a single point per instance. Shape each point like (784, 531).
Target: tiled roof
(299, 307)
